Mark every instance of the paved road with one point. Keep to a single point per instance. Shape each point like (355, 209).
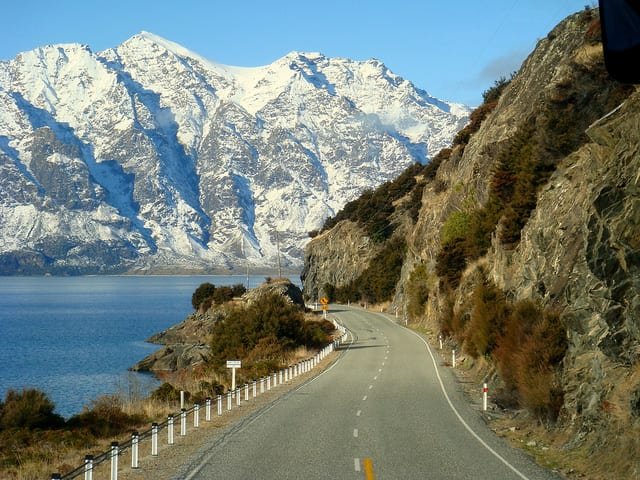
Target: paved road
(378, 412)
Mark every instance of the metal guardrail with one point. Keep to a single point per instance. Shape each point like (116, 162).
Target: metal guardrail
(257, 387)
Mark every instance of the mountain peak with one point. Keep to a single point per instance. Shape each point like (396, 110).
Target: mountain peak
(158, 158)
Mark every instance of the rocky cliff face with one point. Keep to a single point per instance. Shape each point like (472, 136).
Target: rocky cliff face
(336, 257)
(580, 251)
(576, 254)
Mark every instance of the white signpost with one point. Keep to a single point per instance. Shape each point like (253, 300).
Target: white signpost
(233, 364)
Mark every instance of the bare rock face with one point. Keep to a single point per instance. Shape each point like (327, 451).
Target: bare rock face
(581, 252)
(185, 344)
(192, 330)
(279, 286)
(173, 358)
(337, 257)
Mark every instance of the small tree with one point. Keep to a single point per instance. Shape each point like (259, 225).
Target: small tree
(29, 409)
(203, 292)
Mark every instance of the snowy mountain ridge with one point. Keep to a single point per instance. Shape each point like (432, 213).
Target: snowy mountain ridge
(149, 157)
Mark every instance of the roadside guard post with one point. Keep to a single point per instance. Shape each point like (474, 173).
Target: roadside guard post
(233, 365)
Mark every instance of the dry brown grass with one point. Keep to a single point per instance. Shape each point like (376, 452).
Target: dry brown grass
(64, 450)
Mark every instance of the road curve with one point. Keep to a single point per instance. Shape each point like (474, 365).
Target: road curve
(385, 409)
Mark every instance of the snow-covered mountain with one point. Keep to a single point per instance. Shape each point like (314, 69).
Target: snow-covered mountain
(148, 157)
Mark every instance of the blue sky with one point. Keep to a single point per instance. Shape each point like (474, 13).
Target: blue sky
(453, 49)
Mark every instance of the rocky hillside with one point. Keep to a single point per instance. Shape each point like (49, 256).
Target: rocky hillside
(147, 157)
(524, 253)
(187, 344)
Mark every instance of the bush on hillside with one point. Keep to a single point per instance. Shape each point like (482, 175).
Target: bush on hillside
(264, 332)
(105, 418)
(487, 319)
(208, 294)
(450, 263)
(204, 291)
(493, 93)
(28, 409)
(166, 393)
(373, 209)
(417, 291)
(526, 342)
(525, 162)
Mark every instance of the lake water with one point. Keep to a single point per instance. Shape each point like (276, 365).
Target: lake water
(75, 337)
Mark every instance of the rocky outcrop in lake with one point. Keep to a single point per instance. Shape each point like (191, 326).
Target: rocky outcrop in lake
(186, 344)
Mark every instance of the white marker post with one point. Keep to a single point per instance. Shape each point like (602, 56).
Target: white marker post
(453, 358)
(233, 365)
(485, 392)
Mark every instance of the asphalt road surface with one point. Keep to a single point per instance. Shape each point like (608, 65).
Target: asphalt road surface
(386, 409)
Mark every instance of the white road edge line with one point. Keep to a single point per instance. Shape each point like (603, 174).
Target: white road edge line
(358, 413)
(457, 414)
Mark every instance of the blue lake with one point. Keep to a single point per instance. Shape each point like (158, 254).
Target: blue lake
(75, 337)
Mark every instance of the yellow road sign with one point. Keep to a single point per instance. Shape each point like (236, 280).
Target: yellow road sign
(324, 301)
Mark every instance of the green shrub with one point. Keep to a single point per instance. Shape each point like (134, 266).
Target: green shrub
(487, 319)
(415, 202)
(329, 291)
(166, 393)
(262, 333)
(450, 263)
(417, 291)
(206, 390)
(456, 226)
(317, 334)
(475, 120)
(493, 93)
